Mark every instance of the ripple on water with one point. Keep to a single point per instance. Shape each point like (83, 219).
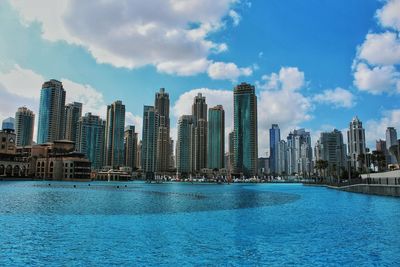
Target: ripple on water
(104, 199)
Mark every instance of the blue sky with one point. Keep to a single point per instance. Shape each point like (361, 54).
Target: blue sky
(315, 63)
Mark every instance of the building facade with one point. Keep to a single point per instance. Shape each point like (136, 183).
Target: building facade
(216, 137)
(299, 153)
(114, 135)
(391, 140)
(73, 112)
(130, 143)
(24, 125)
(51, 112)
(274, 139)
(90, 139)
(163, 152)
(185, 146)
(149, 141)
(245, 130)
(199, 113)
(331, 148)
(356, 144)
(8, 124)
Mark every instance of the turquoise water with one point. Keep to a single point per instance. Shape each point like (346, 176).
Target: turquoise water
(181, 224)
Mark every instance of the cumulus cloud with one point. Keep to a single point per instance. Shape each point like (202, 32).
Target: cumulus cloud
(376, 80)
(375, 129)
(389, 15)
(227, 71)
(375, 68)
(339, 97)
(173, 37)
(288, 78)
(381, 49)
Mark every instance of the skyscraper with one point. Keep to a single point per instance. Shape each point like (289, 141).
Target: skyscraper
(391, 140)
(51, 112)
(282, 158)
(73, 112)
(24, 124)
(245, 129)
(330, 147)
(356, 143)
(274, 139)
(161, 105)
(149, 141)
(199, 113)
(90, 139)
(299, 152)
(114, 136)
(231, 156)
(130, 143)
(216, 137)
(185, 146)
(8, 124)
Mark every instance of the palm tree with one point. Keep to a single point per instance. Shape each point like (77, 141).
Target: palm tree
(321, 165)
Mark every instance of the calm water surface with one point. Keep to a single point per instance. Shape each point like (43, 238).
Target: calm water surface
(181, 224)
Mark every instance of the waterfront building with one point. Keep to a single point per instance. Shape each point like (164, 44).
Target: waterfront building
(231, 153)
(199, 113)
(139, 155)
(161, 105)
(356, 144)
(24, 125)
(185, 146)
(171, 157)
(90, 139)
(245, 130)
(58, 160)
(216, 137)
(149, 141)
(391, 140)
(330, 148)
(264, 166)
(114, 135)
(274, 139)
(51, 112)
(299, 155)
(130, 143)
(8, 124)
(381, 147)
(73, 112)
(7, 142)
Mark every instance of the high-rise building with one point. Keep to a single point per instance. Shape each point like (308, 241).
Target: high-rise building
(90, 139)
(149, 141)
(114, 136)
(231, 147)
(274, 139)
(139, 155)
(330, 147)
(391, 140)
(73, 112)
(185, 146)
(24, 125)
(245, 129)
(161, 105)
(130, 143)
(299, 152)
(216, 137)
(8, 124)
(282, 158)
(51, 112)
(199, 113)
(381, 147)
(171, 157)
(356, 143)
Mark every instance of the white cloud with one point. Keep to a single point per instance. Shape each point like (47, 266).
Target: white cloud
(131, 34)
(339, 97)
(381, 49)
(227, 71)
(289, 78)
(376, 80)
(376, 129)
(389, 15)
(235, 17)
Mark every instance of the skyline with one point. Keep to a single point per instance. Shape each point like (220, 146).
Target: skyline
(294, 88)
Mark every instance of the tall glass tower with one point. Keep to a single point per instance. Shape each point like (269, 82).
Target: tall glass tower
(114, 141)
(51, 112)
(274, 140)
(356, 143)
(199, 113)
(24, 124)
(185, 146)
(245, 130)
(161, 104)
(130, 142)
(90, 139)
(216, 137)
(8, 124)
